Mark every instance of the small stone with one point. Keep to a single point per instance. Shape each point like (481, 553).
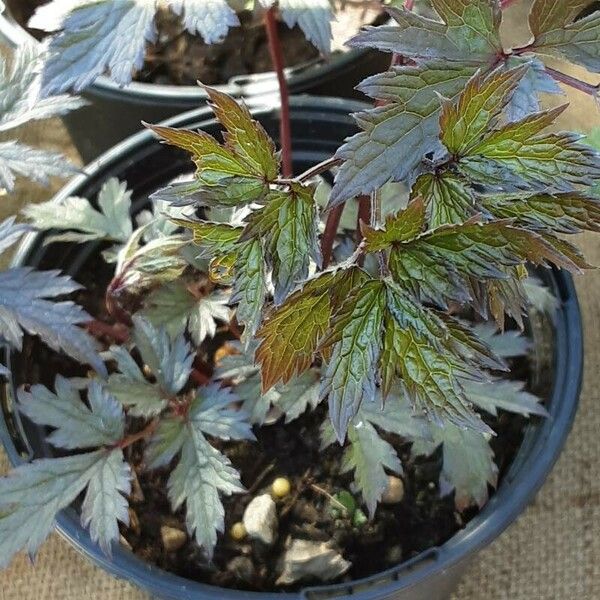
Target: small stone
(394, 555)
(281, 487)
(242, 568)
(172, 538)
(394, 492)
(311, 560)
(238, 531)
(260, 519)
(123, 541)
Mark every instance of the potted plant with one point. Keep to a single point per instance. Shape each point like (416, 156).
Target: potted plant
(232, 53)
(363, 355)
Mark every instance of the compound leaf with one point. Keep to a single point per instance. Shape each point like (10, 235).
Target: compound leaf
(82, 221)
(76, 425)
(25, 305)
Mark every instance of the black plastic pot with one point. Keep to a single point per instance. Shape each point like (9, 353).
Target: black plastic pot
(116, 112)
(319, 125)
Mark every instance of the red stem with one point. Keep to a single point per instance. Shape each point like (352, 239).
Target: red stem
(140, 435)
(573, 82)
(331, 227)
(118, 332)
(506, 3)
(285, 133)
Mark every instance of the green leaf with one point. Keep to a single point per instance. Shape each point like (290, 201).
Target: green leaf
(237, 172)
(558, 32)
(525, 157)
(292, 331)
(469, 32)
(477, 110)
(396, 137)
(293, 398)
(75, 425)
(32, 495)
(468, 463)
(105, 503)
(249, 287)
(504, 344)
(177, 309)
(202, 473)
(558, 213)
(429, 372)
(506, 395)
(215, 238)
(81, 220)
(131, 388)
(288, 226)
(447, 198)
(169, 360)
(406, 225)
(368, 455)
(355, 338)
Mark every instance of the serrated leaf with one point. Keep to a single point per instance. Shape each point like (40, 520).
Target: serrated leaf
(560, 213)
(469, 32)
(169, 360)
(506, 395)
(429, 373)
(540, 297)
(396, 137)
(288, 226)
(32, 495)
(249, 287)
(523, 157)
(131, 388)
(213, 413)
(468, 463)
(504, 344)
(313, 17)
(478, 109)
(20, 100)
(37, 165)
(105, 501)
(82, 221)
(25, 305)
(237, 172)
(525, 99)
(215, 238)
(408, 227)
(368, 455)
(203, 473)
(75, 424)
(292, 331)
(11, 232)
(210, 18)
(177, 309)
(354, 337)
(165, 443)
(96, 37)
(447, 198)
(558, 32)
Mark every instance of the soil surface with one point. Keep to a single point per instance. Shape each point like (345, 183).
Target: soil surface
(399, 532)
(179, 58)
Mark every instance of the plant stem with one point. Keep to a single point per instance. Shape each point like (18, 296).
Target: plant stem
(573, 82)
(285, 133)
(331, 227)
(140, 435)
(118, 332)
(506, 3)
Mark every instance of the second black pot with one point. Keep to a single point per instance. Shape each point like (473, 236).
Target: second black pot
(319, 126)
(115, 113)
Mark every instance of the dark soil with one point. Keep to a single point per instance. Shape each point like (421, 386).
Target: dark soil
(179, 58)
(399, 532)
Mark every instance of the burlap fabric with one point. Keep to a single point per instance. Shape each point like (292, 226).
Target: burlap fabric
(551, 553)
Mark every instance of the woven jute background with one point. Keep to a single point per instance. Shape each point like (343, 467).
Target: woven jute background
(551, 553)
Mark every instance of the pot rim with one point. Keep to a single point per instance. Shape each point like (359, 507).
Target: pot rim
(299, 77)
(538, 453)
